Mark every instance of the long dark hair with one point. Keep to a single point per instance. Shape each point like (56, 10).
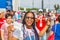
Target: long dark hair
(33, 25)
(59, 18)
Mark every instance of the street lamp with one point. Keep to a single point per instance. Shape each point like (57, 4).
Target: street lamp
(42, 4)
(32, 3)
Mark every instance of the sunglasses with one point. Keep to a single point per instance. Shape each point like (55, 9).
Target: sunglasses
(29, 17)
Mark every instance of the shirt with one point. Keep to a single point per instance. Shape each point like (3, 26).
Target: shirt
(56, 30)
(18, 31)
(2, 21)
(28, 34)
(5, 30)
(41, 23)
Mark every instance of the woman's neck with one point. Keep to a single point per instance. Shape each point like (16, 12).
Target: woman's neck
(29, 27)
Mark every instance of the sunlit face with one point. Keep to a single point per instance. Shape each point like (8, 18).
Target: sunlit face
(1, 15)
(40, 14)
(9, 20)
(29, 19)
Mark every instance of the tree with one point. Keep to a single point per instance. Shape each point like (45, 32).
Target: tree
(56, 6)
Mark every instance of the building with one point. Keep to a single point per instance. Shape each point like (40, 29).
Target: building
(10, 5)
(16, 5)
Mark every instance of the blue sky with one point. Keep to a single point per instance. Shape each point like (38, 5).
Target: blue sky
(37, 3)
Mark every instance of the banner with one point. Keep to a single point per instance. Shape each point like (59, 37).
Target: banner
(2, 3)
(9, 4)
(6, 4)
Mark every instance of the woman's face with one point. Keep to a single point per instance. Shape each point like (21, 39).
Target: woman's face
(29, 19)
(9, 19)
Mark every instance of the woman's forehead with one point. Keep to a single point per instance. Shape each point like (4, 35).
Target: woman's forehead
(29, 14)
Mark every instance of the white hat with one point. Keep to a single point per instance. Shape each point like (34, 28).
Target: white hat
(40, 10)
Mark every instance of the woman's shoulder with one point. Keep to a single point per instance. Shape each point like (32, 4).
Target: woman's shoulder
(17, 25)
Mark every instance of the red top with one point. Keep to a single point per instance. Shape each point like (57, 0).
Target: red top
(2, 21)
(41, 24)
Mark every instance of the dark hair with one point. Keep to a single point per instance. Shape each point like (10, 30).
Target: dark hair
(33, 25)
(7, 10)
(25, 16)
(59, 18)
(7, 15)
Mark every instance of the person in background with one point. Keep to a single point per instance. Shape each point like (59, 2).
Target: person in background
(52, 19)
(41, 26)
(2, 21)
(7, 28)
(7, 11)
(56, 30)
(22, 15)
(12, 12)
(28, 28)
(19, 16)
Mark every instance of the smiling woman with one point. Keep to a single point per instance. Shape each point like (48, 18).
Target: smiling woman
(29, 31)
(29, 21)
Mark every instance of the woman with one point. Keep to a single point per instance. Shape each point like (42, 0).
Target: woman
(29, 31)
(7, 28)
(56, 30)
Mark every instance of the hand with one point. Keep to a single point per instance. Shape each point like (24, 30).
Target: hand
(10, 28)
(36, 19)
(48, 23)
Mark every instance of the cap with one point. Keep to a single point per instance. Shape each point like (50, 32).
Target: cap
(40, 10)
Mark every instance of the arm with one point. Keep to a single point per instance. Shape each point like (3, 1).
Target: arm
(14, 38)
(2, 35)
(17, 35)
(43, 31)
(10, 31)
(2, 32)
(36, 19)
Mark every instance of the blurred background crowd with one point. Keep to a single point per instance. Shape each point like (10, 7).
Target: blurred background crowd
(24, 20)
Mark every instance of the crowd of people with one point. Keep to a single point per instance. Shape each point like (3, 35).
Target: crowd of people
(29, 25)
